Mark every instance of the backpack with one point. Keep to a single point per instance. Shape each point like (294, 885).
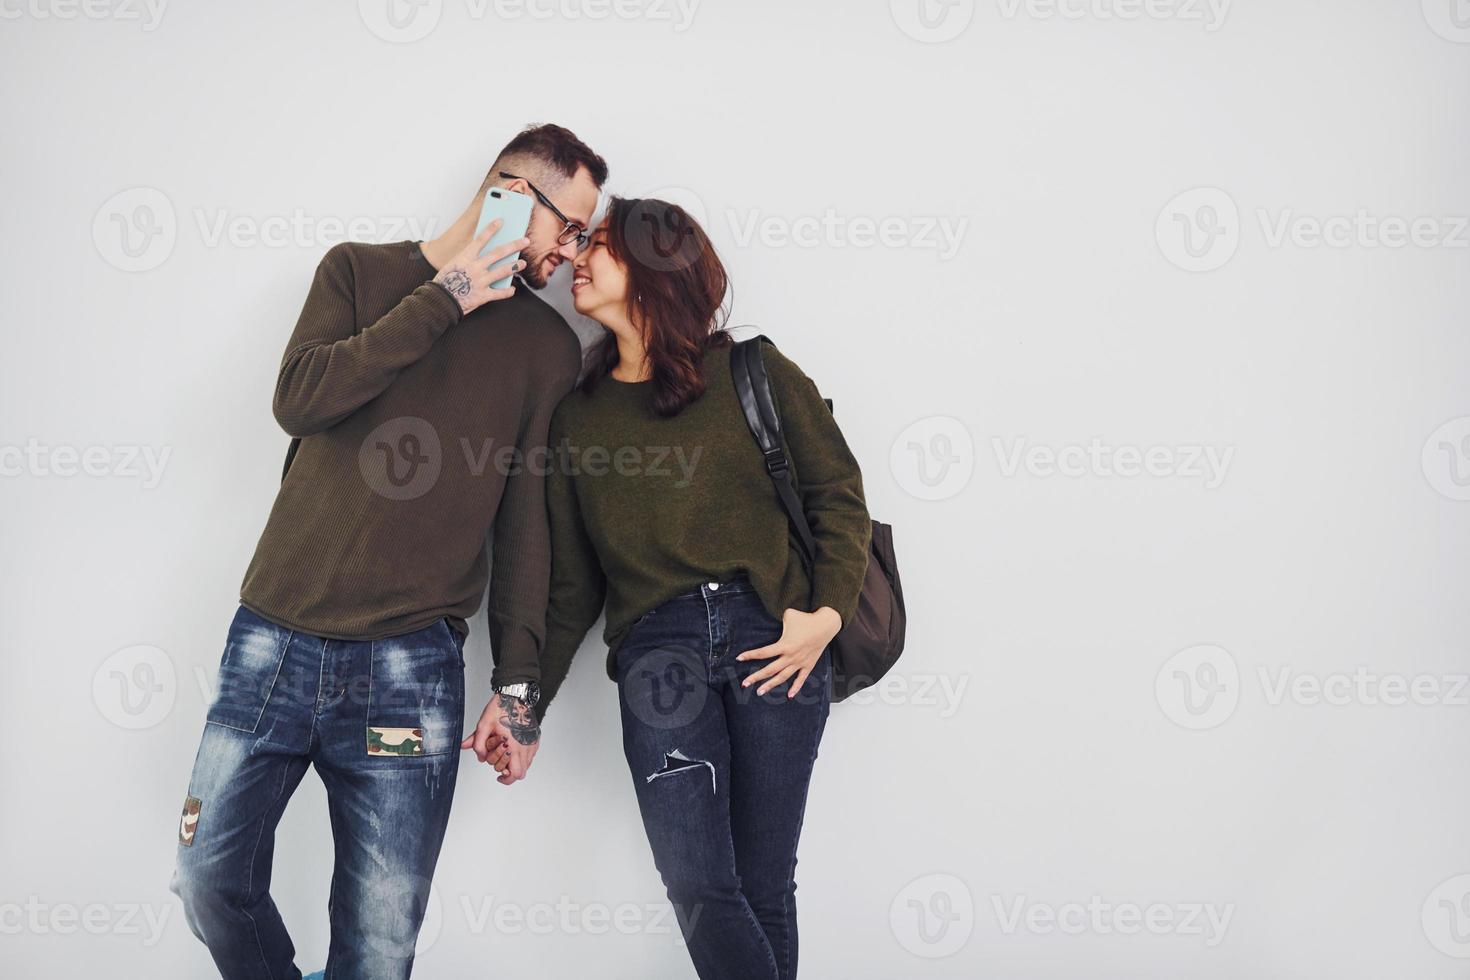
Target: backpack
(869, 645)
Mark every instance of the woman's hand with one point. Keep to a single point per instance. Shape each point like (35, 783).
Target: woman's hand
(803, 638)
(507, 737)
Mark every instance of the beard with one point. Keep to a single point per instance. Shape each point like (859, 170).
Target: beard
(532, 273)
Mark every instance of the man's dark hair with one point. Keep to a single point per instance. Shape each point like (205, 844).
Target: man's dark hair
(547, 155)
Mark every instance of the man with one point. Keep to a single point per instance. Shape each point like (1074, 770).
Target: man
(418, 396)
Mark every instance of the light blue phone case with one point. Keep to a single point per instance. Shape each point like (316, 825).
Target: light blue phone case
(515, 211)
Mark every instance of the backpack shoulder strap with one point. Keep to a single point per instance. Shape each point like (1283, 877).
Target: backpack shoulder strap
(763, 416)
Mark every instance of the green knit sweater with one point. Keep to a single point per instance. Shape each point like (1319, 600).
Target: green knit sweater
(404, 411)
(643, 508)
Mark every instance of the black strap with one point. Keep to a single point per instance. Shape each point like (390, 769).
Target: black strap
(290, 455)
(762, 414)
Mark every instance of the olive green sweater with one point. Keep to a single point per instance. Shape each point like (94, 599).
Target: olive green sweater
(643, 508)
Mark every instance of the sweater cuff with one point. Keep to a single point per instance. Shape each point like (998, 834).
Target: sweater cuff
(440, 294)
(556, 655)
(841, 596)
(517, 663)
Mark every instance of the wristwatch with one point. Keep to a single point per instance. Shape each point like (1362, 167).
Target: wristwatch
(527, 691)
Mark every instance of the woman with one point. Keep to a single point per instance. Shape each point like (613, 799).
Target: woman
(660, 504)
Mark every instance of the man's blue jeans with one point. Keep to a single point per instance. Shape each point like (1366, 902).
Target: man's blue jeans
(721, 775)
(381, 721)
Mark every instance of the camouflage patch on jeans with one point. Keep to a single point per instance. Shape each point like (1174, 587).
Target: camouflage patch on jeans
(189, 820)
(395, 741)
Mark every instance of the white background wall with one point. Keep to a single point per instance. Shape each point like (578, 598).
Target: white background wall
(1091, 710)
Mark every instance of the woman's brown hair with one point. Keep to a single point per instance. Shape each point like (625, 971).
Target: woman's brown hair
(676, 293)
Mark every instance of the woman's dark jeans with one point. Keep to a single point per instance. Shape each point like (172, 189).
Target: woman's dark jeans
(721, 775)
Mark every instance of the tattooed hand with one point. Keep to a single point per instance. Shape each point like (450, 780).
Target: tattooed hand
(467, 276)
(507, 736)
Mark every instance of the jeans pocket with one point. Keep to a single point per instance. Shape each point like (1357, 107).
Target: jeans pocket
(626, 641)
(247, 671)
(456, 637)
(415, 694)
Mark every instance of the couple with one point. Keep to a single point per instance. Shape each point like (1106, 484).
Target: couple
(407, 367)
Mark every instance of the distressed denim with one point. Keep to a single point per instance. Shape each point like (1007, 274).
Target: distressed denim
(721, 775)
(381, 721)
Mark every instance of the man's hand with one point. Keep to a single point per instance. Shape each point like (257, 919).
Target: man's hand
(507, 736)
(467, 276)
(803, 638)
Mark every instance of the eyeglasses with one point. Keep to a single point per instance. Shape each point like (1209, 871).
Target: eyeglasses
(572, 232)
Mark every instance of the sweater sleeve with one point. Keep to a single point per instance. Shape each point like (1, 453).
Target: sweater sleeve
(578, 585)
(330, 368)
(521, 547)
(830, 484)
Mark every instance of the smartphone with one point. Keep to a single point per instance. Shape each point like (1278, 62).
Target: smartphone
(514, 212)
